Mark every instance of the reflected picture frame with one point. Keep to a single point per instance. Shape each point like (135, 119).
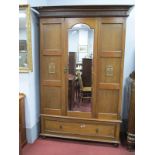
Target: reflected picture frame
(83, 48)
(28, 44)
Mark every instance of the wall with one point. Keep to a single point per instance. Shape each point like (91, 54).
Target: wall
(22, 35)
(90, 42)
(79, 2)
(29, 82)
(73, 40)
(77, 38)
(129, 62)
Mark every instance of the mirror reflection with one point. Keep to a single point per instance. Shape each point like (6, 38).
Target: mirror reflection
(22, 39)
(80, 56)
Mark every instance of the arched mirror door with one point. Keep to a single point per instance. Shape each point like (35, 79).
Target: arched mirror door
(80, 59)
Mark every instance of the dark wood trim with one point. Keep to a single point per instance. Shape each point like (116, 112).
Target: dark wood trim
(85, 11)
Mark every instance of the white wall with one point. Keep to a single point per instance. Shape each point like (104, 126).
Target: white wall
(129, 61)
(29, 85)
(80, 37)
(73, 40)
(22, 35)
(91, 42)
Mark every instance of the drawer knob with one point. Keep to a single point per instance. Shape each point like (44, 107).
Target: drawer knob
(82, 126)
(97, 130)
(60, 126)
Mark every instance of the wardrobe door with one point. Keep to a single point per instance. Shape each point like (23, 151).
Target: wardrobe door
(52, 66)
(110, 67)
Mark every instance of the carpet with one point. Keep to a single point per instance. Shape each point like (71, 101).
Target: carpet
(56, 146)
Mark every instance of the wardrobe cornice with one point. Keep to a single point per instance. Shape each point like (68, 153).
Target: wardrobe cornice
(85, 11)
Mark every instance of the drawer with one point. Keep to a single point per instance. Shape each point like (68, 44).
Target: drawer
(78, 128)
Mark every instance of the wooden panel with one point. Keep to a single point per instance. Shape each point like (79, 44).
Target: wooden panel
(52, 35)
(54, 83)
(109, 86)
(80, 128)
(74, 127)
(110, 116)
(52, 41)
(52, 111)
(107, 101)
(52, 97)
(55, 62)
(22, 126)
(111, 37)
(131, 113)
(84, 120)
(115, 63)
(79, 114)
(111, 54)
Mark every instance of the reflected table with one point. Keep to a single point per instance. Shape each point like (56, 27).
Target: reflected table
(71, 90)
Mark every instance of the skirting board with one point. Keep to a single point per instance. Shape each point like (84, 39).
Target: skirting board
(33, 133)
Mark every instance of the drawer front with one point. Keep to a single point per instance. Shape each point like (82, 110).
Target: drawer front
(102, 130)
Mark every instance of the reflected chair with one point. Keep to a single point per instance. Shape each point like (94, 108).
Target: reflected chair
(85, 92)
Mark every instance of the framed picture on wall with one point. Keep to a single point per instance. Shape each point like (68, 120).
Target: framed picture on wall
(83, 52)
(25, 51)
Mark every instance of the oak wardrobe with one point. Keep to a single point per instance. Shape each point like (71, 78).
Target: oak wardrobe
(106, 25)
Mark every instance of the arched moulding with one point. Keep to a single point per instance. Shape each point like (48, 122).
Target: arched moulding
(80, 26)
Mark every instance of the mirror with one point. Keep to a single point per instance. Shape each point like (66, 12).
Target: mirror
(80, 56)
(25, 58)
